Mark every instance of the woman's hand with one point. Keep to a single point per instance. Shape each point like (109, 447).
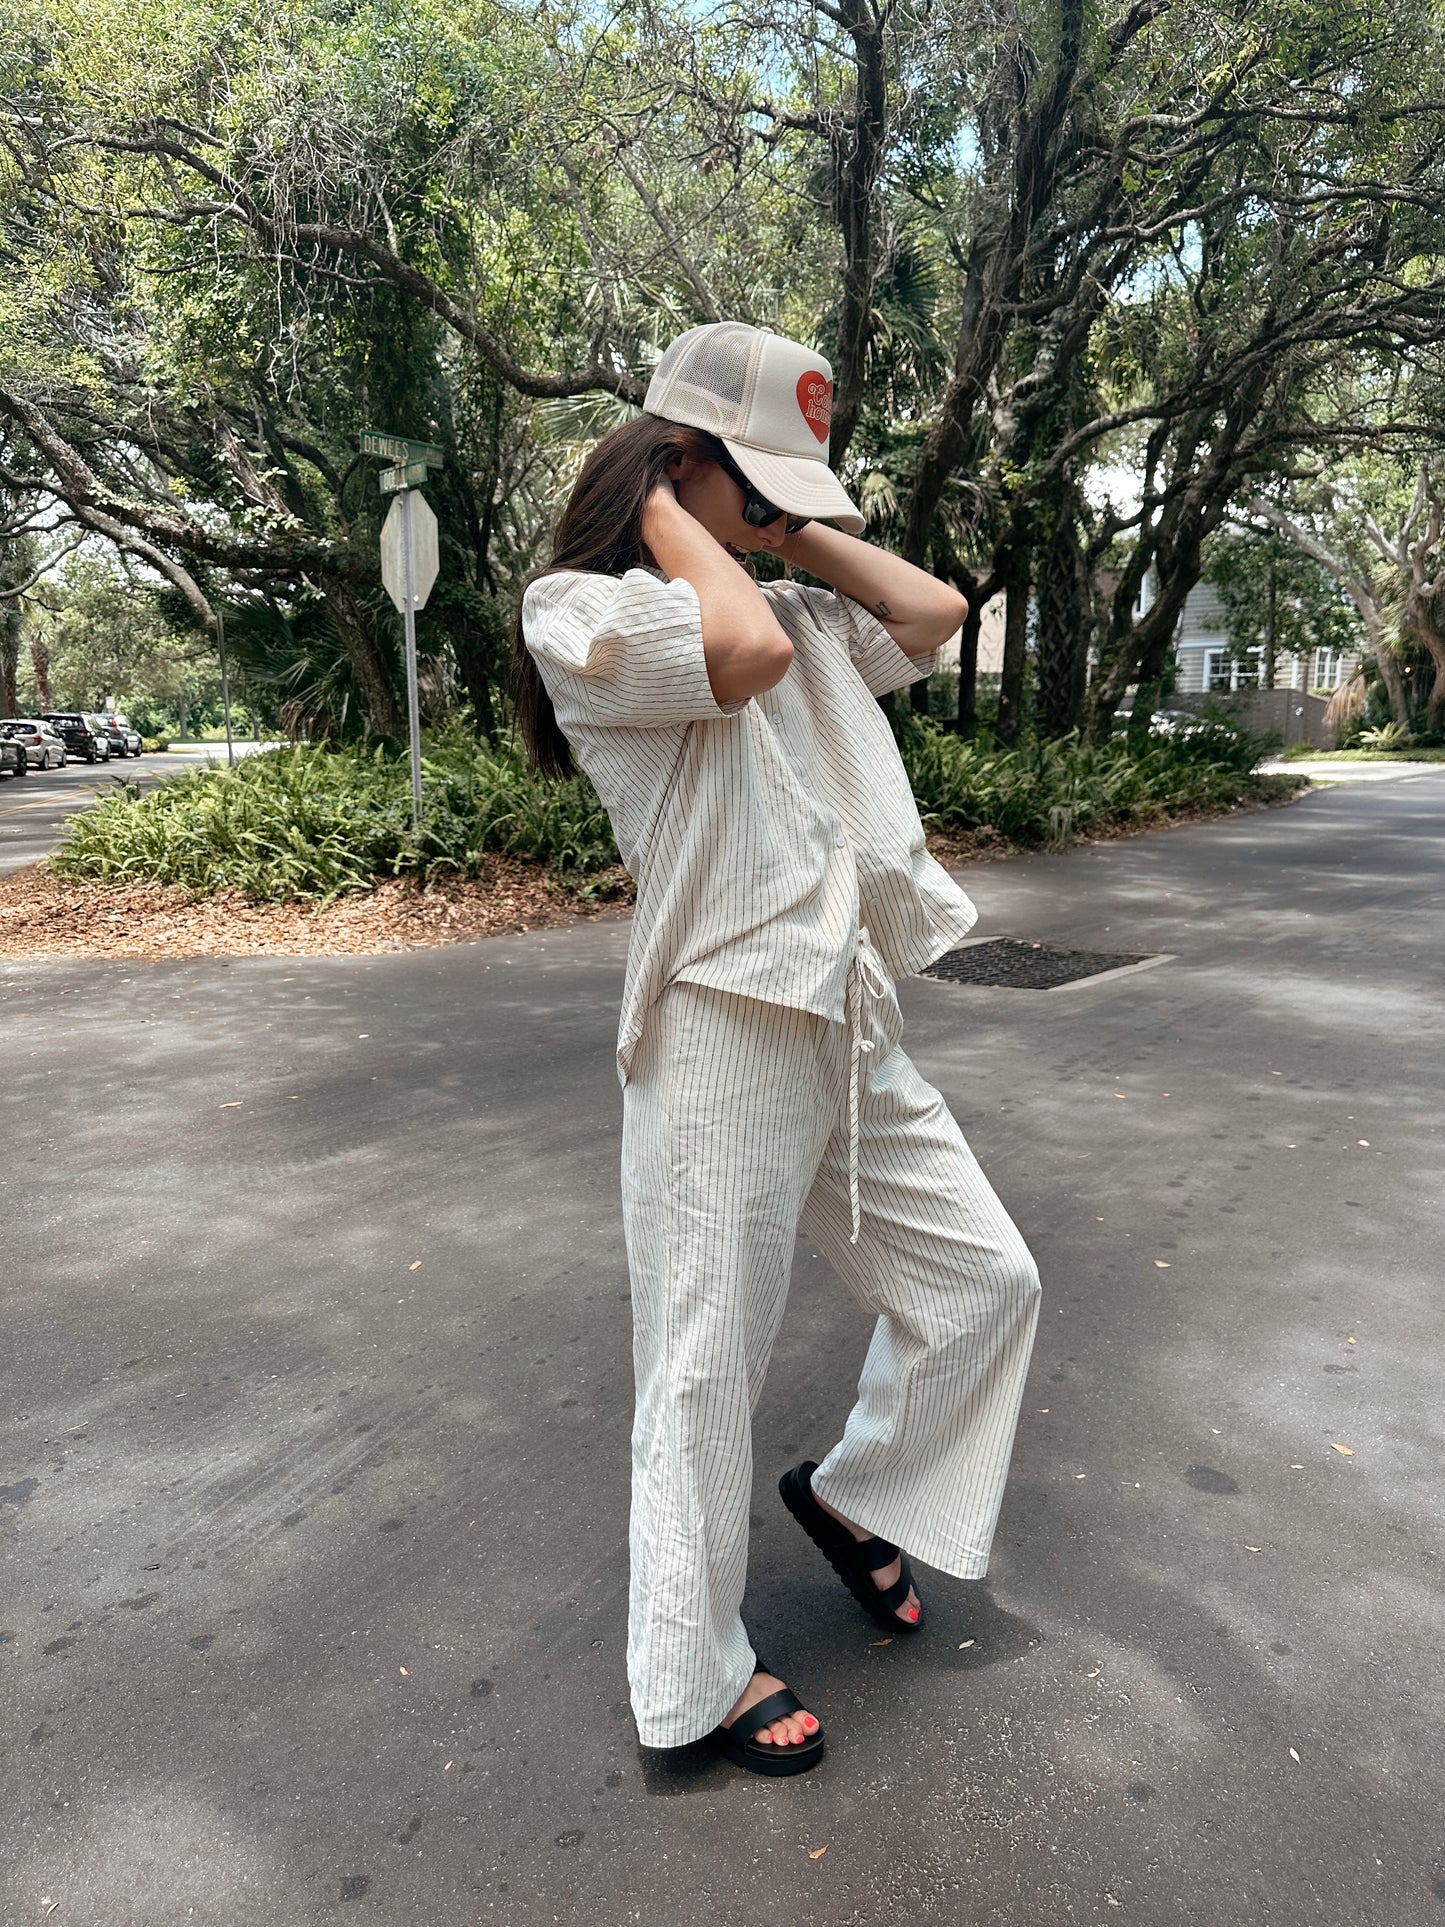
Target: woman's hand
(662, 492)
(661, 503)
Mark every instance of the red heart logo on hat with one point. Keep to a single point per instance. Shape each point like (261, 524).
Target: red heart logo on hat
(815, 398)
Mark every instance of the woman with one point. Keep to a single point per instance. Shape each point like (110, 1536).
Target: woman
(759, 800)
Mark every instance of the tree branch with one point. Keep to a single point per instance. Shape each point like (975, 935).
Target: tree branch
(332, 238)
(18, 589)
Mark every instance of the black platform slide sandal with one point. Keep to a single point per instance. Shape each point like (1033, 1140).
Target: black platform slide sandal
(764, 1756)
(854, 1560)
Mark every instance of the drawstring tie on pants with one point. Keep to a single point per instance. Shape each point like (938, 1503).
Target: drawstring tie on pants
(864, 972)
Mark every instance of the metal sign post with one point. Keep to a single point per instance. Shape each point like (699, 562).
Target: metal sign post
(409, 562)
(225, 687)
(409, 568)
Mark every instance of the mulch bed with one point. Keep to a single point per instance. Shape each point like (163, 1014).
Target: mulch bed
(983, 845)
(43, 915)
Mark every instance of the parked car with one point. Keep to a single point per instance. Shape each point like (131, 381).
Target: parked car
(74, 730)
(43, 748)
(104, 724)
(134, 741)
(13, 760)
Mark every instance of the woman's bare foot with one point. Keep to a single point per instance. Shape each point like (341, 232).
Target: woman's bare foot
(885, 1576)
(791, 1730)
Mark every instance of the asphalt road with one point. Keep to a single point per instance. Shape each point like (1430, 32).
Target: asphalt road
(317, 1380)
(34, 807)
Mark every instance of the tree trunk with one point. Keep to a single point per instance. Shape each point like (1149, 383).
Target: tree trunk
(966, 722)
(40, 666)
(1029, 134)
(1423, 616)
(472, 668)
(1146, 693)
(1015, 646)
(1434, 642)
(1138, 651)
(857, 146)
(1145, 643)
(1270, 625)
(368, 664)
(479, 644)
(1387, 663)
(1369, 595)
(9, 665)
(1146, 697)
(1062, 643)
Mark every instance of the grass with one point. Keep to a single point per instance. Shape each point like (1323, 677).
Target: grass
(312, 824)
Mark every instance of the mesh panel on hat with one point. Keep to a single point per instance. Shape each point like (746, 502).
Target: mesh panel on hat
(706, 373)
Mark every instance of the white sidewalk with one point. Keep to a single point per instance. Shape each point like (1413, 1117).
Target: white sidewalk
(1326, 770)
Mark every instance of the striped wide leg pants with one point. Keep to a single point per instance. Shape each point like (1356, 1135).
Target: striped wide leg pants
(743, 1120)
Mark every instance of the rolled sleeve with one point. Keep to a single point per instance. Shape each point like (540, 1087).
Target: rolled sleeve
(872, 651)
(624, 651)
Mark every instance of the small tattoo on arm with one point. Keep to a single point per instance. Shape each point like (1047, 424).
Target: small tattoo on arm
(883, 609)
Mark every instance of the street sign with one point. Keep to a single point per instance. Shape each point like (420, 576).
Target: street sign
(409, 568)
(404, 475)
(398, 448)
(409, 588)
(408, 560)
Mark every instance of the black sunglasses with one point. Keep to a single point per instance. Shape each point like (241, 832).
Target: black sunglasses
(758, 511)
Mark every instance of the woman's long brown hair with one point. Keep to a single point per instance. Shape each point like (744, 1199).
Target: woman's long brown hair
(599, 529)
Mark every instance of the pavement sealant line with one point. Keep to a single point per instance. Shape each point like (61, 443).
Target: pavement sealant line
(42, 803)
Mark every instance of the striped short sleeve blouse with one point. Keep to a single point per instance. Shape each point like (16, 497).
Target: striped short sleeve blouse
(761, 832)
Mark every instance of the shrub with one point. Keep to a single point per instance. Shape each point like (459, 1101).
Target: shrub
(1387, 736)
(1049, 792)
(314, 822)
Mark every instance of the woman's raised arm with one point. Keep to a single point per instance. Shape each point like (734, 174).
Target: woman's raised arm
(743, 642)
(917, 610)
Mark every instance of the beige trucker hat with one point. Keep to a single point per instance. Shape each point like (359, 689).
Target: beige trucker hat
(769, 401)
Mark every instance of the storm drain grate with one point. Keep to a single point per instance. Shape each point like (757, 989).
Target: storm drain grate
(1014, 964)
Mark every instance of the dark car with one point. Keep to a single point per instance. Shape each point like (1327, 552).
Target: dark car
(79, 738)
(104, 725)
(116, 735)
(13, 760)
(133, 739)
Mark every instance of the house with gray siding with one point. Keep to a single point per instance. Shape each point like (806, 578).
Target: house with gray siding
(1205, 667)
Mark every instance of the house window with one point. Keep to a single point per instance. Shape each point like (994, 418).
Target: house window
(1223, 672)
(1325, 669)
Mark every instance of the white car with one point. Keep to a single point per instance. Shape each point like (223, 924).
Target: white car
(43, 748)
